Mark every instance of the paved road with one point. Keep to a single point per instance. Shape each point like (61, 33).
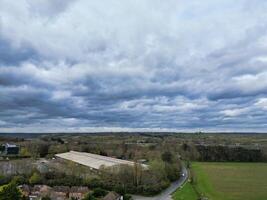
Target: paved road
(166, 194)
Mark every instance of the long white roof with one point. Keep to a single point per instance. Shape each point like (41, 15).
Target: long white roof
(93, 160)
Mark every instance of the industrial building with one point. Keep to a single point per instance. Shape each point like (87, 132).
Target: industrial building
(94, 161)
(9, 149)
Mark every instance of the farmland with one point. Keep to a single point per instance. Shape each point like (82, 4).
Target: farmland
(231, 181)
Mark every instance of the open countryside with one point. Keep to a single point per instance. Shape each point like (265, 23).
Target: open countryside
(226, 181)
(139, 166)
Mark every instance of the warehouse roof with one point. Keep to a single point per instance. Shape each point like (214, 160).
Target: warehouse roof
(10, 145)
(93, 160)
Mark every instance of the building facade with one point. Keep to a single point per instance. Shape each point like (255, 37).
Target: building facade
(9, 149)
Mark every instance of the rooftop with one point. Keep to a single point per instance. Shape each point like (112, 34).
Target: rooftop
(93, 160)
(10, 145)
(111, 196)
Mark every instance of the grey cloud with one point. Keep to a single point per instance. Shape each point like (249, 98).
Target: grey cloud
(12, 55)
(133, 64)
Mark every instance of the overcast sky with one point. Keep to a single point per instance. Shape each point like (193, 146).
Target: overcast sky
(80, 65)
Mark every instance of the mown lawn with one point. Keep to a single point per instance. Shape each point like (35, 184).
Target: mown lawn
(185, 193)
(231, 181)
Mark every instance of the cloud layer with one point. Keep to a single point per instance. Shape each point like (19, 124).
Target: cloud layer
(68, 65)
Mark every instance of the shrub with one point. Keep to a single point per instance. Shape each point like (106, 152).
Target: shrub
(19, 180)
(46, 198)
(35, 179)
(89, 196)
(9, 192)
(99, 192)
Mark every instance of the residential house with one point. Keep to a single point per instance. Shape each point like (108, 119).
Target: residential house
(113, 196)
(60, 193)
(41, 191)
(78, 192)
(25, 190)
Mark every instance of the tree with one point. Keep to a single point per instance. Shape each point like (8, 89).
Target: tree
(99, 192)
(137, 173)
(18, 180)
(25, 152)
(35, 178)
(172, 171)
(43, 149)
(89, 196)
(25, 198)
(157, 168)
(167, 157)
(10, 192)
(46, 198)
(127, 197)
(38, 149)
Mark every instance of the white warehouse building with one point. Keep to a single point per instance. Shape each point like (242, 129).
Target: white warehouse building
(94, 161)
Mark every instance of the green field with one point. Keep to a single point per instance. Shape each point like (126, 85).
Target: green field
(227, 181)
(232, 181)
(185, 193)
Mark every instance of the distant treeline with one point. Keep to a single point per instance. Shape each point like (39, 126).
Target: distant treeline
(218, 153)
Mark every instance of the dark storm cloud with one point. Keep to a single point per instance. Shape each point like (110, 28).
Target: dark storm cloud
(123, 65)
(13, 56)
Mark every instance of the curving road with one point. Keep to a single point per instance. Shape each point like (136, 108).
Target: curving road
(166, 194)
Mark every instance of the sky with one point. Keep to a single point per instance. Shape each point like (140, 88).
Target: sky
(135, 65)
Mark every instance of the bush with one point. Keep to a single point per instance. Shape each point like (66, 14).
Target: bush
(10, 192)
(46, 198)
(36, 178)
(127, 197)
(4, 179)
(99, 192)
(94, 183)
(66, 180)
(173, 171)
(89, 196)
(19, 180)
(167, 157)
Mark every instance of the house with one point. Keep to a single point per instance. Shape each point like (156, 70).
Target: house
(34, 197)
(37, 192)
(9, 149)
(113, 196)
(60, 193)
(25, 190)
(41, 191)
(78, 192)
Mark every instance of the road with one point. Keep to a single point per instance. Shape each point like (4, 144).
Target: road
(166, 194)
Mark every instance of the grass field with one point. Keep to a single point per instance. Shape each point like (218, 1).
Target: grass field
(185, 193)
(227, 181)
(232, 181)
